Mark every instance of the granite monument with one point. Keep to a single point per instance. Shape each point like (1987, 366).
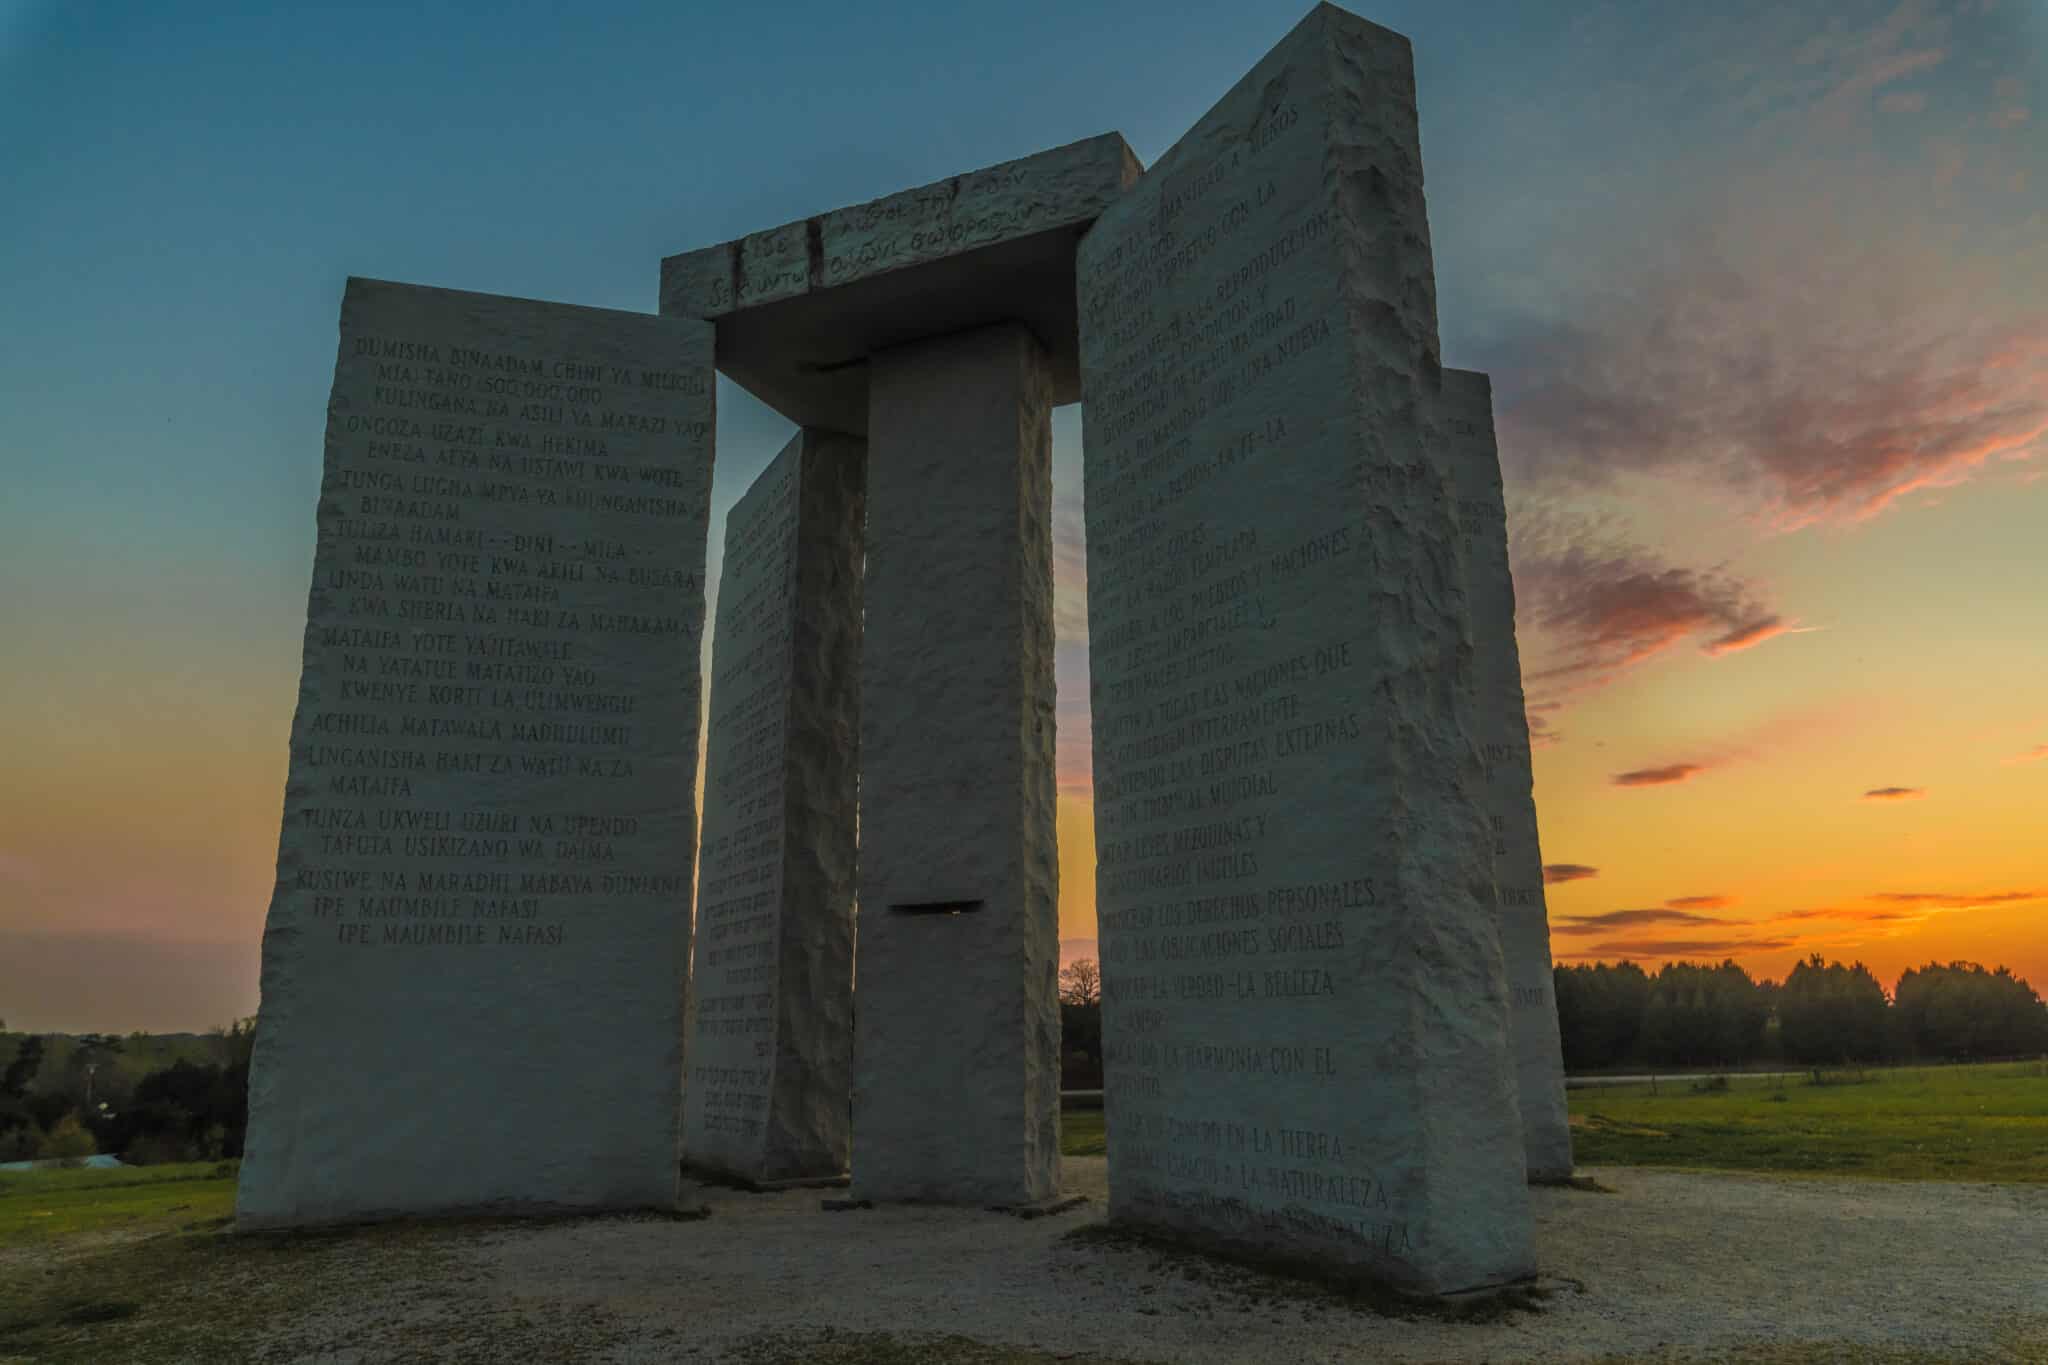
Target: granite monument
(1305, 1005)
(482, 914)
(770, 1065)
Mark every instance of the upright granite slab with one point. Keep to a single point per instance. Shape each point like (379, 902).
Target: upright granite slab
(474, 960)
(771, 1054)
(1305, 1009)
(1467, 415)
(956, 1059)
(800, 307)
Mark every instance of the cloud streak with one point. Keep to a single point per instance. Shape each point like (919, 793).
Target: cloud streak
(1658, 777)
(1680, 948)
(1895, 794)
(1700, 902)
(1883, 914)
(1555, 874)
(1605, 608)
(1621, 919)
(1806, 326)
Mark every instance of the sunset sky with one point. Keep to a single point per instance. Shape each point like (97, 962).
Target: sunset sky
(1763, 289)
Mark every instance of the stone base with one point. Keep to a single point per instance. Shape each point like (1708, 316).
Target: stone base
(262, 1225)
(712, 1176)
(1044, 1208)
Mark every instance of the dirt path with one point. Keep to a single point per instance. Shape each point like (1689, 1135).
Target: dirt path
(1703, 1263)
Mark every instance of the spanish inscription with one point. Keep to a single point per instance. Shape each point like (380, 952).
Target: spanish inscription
(1272, 588)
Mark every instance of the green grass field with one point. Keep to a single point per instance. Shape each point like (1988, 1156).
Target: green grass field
(1907, 1123)
(140, 1264)
(48, 1206)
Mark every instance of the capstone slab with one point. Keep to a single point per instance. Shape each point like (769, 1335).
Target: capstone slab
(474, 957)
(771, 1054)
(801, 307)
(1305, 1008)
(1510, 780)
(956, 1058)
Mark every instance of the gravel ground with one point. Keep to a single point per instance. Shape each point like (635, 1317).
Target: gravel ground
(1668, 1264)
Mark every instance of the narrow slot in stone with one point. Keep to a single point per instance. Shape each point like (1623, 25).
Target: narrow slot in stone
(937, 908)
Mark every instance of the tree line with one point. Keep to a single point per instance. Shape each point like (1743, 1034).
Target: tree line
(1822, 1014)
(1699, 1014)
(64, 1097)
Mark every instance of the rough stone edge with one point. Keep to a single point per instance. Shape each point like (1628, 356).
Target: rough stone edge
(745, 504)
(278, 952)
(1525, 933)
(820, 873)
(1375, 177)
(706, 282)
(1038, 864)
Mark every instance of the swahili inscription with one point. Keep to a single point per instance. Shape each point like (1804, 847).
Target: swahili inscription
(482, 601)
(489, 810)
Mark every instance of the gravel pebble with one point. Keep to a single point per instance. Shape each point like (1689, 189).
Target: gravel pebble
(1705, 1262)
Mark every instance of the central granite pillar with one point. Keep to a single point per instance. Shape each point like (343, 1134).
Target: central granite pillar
(956, 1045)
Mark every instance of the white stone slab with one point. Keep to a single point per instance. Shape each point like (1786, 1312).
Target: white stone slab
(956, 1058)
(801, 307)
(473, 963)
(1467, 415)
(1057, 188)
(1305, 1019)
(771, 1054)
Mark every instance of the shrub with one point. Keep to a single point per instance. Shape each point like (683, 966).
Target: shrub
(67, 1141)
(157, 1149)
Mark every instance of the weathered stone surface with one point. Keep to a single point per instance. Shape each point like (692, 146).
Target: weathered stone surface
(800, 307)
(956, 1058)
(474, 959)
(771, 1053)
(1503, 723)
(1306, 1012)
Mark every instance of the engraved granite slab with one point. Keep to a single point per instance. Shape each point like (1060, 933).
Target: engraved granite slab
(474, 958)
(800, 307)
(956, 1059)
(1305, 1008)
(1467, 414)
(771, 1054)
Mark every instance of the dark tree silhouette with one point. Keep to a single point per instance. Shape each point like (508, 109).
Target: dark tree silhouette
(1828, 1013)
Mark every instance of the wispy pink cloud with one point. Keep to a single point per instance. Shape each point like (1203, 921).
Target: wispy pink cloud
(1700, 902)
(2033, 755)
(1597, 609)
